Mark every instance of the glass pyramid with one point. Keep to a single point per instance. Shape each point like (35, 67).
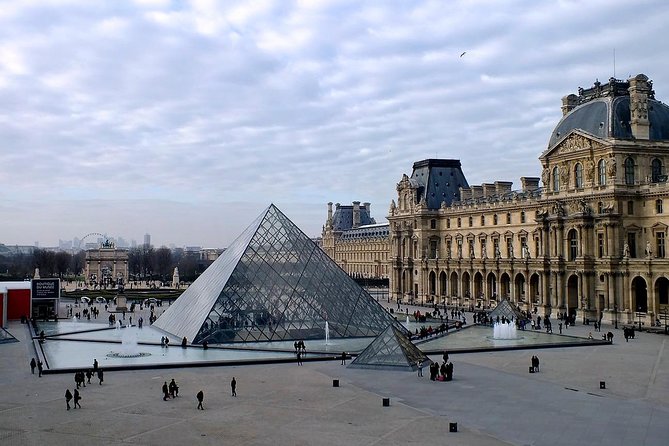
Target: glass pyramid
(392, 349)
(507, 310)
(273, 283)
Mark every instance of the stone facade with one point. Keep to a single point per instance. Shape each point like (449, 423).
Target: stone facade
(359, 249)
(591, 242)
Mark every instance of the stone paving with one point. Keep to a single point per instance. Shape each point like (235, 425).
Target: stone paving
(493, 399)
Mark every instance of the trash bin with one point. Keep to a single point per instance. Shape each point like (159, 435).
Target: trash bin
(386, 402)
(335, 383)
(452, 427)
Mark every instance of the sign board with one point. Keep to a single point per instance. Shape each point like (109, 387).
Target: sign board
(46, 288)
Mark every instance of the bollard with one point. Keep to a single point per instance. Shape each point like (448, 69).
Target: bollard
(386, 402)
(602, 384)
(335, 383)
(452, 427)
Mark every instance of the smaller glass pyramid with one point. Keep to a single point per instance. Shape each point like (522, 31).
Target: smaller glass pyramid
(391, 350)
(505, 309)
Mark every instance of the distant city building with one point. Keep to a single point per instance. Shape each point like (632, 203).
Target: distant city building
(147, 239)
(353, 239)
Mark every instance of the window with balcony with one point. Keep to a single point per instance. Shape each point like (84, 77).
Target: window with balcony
(656, 171)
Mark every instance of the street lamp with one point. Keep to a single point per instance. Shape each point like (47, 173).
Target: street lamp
(638, 313)
(615, 314)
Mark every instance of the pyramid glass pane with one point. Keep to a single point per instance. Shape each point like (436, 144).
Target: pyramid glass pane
(390, 350)
(505, 309)
(278, 286)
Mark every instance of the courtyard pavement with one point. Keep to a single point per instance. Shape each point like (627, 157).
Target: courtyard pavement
(493, 399)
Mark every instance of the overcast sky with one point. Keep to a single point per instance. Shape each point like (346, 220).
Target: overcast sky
(186, 119)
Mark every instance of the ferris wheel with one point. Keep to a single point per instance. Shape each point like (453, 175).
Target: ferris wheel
(90, 234)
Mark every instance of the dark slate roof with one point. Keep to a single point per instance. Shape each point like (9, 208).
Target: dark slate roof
(609, 117)
(342, 218)
(380, 230)
(438, 180)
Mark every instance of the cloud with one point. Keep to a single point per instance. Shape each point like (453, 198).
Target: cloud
(215, 109)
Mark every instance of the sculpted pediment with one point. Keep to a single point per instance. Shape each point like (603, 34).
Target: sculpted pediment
(575, 141)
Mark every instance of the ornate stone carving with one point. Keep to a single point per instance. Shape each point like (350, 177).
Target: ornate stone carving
(564, 175)
(589, 170)
(611, 165)
(546, 176)
(575, 143)
(393, 207)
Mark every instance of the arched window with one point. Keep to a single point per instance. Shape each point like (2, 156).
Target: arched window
(573, 244)
(578, 176)
(494, 219)
(601, 172)
(482, 220)
(655, 170)
(508, 218)
(556, 179)
(629, 171)
(522, 216)
(471, 222)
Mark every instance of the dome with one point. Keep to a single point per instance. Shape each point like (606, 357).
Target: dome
(609, 116)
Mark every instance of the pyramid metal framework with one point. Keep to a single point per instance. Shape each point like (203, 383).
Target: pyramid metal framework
(273, 283)
(391, 350)
(507, 310)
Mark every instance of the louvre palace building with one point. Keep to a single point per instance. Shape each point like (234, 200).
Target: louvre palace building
(588, 238)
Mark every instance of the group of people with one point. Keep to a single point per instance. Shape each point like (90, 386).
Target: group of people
(171, 390)
(164, 341)
(80, 379)
(437, 372)
(36, 365)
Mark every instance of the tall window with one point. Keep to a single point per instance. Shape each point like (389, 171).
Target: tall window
(601, 172)
(556, 179)
(659, 244)
(482, 220)
(600, 244)
(573, 244)
(494, 219)
(433, 224)
(459, 222)
(631, 242)
(448, 223)
(655, 170)
(578, 176)
(630, 207)
(658, 206)
(508, 218)
(471, 222)
(537, 250)
(522, 216)
(629, 171)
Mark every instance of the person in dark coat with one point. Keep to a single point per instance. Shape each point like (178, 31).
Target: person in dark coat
(101, 376)
(68, 398)
(33, 364)
(200, 398)
(89, 375)
(233, 385)
(40, 367)
(95, 366)
(343, 358)
(77, 397)
(166, 392)
(76, 379)
(174, 389)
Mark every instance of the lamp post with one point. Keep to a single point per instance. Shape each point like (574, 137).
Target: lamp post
(615, 314)
(638, 313)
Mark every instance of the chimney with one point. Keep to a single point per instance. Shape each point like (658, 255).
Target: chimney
(488, 189)
(477, 191)
(465, 193)
(329, 211)
(356, 214)
(529, 183)
(569, 103)
(639, 91)
(368, 206)
(502, 187)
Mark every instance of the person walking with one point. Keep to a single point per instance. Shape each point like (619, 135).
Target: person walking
(299, 358)
(77, 397)
(101, 376)
(200, 398)
(233, 385)
(343, 358)
(420, 368)
(33, 364)
(89, 375)
(95, 366)
(174, 389)
(68, 398)
(166, 392)
(40, 367)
